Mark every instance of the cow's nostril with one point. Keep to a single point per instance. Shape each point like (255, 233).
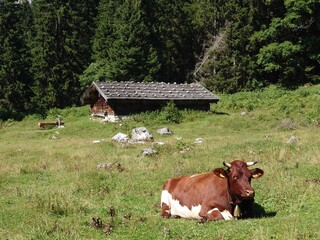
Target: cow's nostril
(249, 192)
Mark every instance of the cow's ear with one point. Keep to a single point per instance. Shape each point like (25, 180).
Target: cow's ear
(256, 173)
(220, 172)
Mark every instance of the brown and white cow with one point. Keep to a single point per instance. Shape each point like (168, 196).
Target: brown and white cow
(220, 194)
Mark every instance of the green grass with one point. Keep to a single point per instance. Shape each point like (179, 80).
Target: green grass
(51, 188)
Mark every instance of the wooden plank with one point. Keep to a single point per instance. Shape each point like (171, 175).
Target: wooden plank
(45, 124)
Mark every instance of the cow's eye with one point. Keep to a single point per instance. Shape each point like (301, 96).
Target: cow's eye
(235, 178)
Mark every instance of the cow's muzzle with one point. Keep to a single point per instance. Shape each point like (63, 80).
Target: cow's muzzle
(249, 193)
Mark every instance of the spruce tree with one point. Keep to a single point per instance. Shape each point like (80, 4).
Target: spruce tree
(230, 66)
(172, 36)
(131, 56)
(15, 80)
(104, 37)
(61, 51)
(122, 47)
(289, 45)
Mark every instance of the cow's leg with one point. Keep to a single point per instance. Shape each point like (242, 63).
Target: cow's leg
(166, 204)
(214, 215)
(165, 210)
(210, 215)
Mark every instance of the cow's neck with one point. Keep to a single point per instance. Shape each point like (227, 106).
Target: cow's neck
(235, 200)
(232, 198)
(240, 207)
(235, 203)
(230, 204)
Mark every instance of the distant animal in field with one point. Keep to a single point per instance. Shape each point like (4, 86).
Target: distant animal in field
(220, 194)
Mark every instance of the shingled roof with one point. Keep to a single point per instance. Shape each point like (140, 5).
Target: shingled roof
(149, 91)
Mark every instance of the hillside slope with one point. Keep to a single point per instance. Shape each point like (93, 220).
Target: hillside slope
(51, 187)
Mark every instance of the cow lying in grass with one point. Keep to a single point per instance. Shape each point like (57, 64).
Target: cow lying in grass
(220, 194)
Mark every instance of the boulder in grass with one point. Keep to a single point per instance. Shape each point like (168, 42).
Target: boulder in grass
(120, 137)
(199, 140)
(158, 143)
(149, 151)
(293, 139)
(141, 134)
(164, 131)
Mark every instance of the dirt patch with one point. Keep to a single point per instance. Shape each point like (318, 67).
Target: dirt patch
(313, 181)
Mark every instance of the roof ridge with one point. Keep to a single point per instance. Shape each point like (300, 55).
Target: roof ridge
(153, 91)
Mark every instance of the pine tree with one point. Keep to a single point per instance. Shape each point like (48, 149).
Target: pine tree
(230, 66)
(61, 51)
(131, 56)
(103, 39)
(289, 46)
(122, 47)
(15, 80)
(172, 36)
(209, 30)
(105, 30)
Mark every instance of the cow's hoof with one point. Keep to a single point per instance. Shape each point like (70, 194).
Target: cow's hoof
(202, 220)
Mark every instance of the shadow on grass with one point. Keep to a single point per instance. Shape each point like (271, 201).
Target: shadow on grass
(260, 212)
(221, 113)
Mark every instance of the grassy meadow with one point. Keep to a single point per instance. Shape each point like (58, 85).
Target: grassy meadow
(51, 188)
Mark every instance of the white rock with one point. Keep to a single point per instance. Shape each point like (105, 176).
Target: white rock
(120, 137)
(158, 143)
(164, 131)
(141, 134)
(293, 139)
(149, 151)
(199, 140)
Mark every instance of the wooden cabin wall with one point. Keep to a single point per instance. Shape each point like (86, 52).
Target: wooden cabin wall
(122, 107)
(101, 107)
(129, 106)
(194, 105)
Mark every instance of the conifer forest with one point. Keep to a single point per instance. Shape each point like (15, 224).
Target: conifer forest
(50, 51)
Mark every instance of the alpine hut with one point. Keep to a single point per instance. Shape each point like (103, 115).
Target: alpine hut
(113, 100)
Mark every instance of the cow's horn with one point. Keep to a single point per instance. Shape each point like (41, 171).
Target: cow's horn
(251, 163)
(227, 164)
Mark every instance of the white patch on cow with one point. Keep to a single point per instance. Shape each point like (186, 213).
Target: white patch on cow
(225, 214)
(176, 209)
(210, 211)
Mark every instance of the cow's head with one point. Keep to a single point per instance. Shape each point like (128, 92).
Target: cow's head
(239, 178)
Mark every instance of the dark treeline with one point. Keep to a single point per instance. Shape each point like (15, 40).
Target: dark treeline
(51, 50)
